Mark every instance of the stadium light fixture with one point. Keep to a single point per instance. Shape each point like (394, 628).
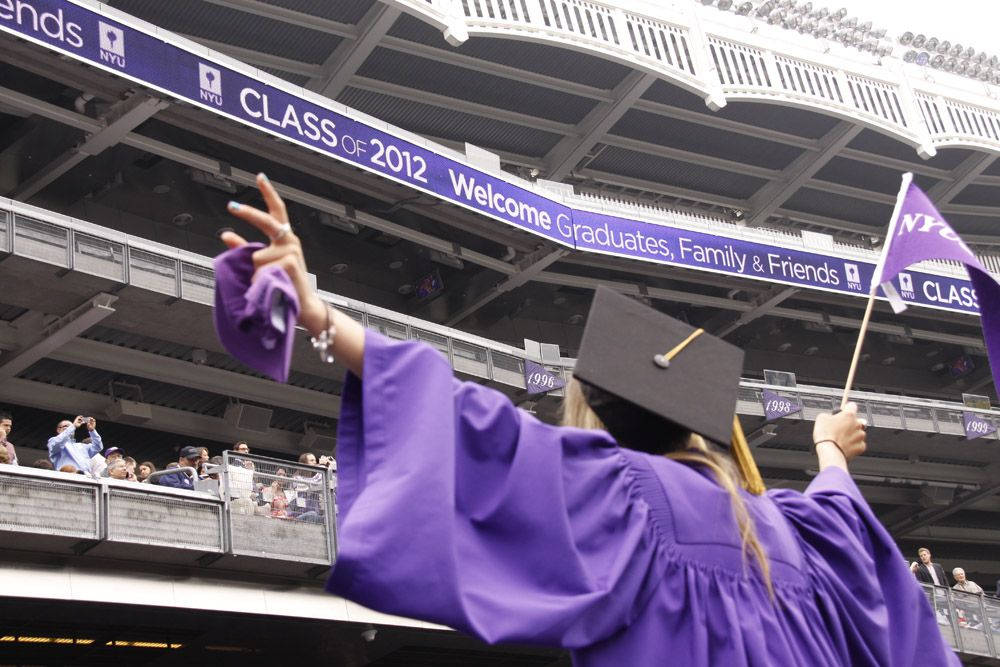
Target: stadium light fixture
(937, 62)
(910, 56)
(906, 38)
(932, 44)
(923, 58)
(950, 64)
(744, 9)
(724, 5)
(944, 47)
(919, 41)
(840, 14)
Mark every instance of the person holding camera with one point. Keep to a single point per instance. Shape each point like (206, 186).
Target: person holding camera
(64, 449)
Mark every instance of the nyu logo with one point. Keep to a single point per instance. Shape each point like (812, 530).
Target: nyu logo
(112, 43)
(924, 224)
(906, 286)
(210, 84)
(853, 275)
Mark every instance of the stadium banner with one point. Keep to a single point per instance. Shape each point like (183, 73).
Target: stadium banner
(539, 380)
(977, 425)
(777, 406)
(143, 56)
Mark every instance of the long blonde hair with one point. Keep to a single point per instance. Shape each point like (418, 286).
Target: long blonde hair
(577, 413)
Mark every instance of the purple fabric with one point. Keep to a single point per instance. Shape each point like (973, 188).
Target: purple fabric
(918, 232)
(255, 320)
(460, 509)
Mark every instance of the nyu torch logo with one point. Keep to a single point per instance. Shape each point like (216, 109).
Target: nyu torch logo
(926, 224)
(112, 44)
(906, 286)
(210, 84)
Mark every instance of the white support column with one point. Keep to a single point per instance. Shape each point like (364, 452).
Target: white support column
(566, 154)
(705, 68)
(58, 333)
(772, 196)
(347, 58)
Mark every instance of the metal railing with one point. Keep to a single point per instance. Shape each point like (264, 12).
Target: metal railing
(969, 623)
(265, 508)
(278, 509)
(188, 276)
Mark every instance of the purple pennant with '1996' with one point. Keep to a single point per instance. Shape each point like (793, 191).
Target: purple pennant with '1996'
(538, 379)
(977, 425)
(777, 406)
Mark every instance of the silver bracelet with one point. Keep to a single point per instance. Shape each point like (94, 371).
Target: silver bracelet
(324, 341)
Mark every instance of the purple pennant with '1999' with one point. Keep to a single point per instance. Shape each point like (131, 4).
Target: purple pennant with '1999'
(777, 406)
(538, 379)
(976, 425)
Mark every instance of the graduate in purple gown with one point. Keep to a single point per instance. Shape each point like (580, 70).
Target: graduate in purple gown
(637, 535)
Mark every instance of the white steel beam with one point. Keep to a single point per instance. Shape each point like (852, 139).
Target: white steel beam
(58, 333)
(964, 174)
(528, 269)
(764, 303)
(351, 54)
(96, 354)
(773, 195)
(290, 16)
(565, 155)
(120, 120)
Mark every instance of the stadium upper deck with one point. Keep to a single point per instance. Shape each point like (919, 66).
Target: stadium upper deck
(587, 107)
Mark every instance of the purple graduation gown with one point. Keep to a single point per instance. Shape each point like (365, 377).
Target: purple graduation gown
(458, 508)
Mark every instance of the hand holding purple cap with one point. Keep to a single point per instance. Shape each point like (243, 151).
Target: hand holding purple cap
(285, 252)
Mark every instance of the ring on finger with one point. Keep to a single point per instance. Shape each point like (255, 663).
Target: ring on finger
(282, 232)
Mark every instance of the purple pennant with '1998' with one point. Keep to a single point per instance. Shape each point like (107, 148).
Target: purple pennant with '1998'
(976, 425)
(538, 379)
(777, 406)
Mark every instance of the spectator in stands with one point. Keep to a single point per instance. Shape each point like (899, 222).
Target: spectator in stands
(110, 454)
(202, 460)
(146, 468)
(118, 470)
(4, 456)
(6, 426)
(188, 458)
(926, 571)
(64, 449)
(215, 463)
(241, 447)
(130, 466)
(963, 584)
(43, 464)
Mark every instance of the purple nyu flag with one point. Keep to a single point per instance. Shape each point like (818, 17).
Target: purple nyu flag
(917, 233)
(777, 406)
(538, 379)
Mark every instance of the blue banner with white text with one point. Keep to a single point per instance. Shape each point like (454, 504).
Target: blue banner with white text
(89, 36)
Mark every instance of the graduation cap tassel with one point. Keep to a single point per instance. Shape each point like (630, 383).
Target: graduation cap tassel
(740, 451)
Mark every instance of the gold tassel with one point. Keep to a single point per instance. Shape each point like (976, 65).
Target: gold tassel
(740, 451)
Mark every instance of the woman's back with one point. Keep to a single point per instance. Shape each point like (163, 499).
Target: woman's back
(473, 514)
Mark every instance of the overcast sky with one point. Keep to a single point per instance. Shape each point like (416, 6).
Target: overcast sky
(968, 22)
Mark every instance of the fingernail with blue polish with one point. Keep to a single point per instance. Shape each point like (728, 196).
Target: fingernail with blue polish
(233, 206)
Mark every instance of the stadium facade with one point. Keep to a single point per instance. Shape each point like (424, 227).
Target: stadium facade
(464, 173)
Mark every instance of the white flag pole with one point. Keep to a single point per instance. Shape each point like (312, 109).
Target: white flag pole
(876, 281)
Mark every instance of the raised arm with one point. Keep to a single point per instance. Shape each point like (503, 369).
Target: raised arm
(58, 441)
(285, 251)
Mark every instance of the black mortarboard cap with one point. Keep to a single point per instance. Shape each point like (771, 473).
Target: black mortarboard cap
(624, 356)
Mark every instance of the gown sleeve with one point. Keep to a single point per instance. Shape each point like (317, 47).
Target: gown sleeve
(458, 508)
(865, 587)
